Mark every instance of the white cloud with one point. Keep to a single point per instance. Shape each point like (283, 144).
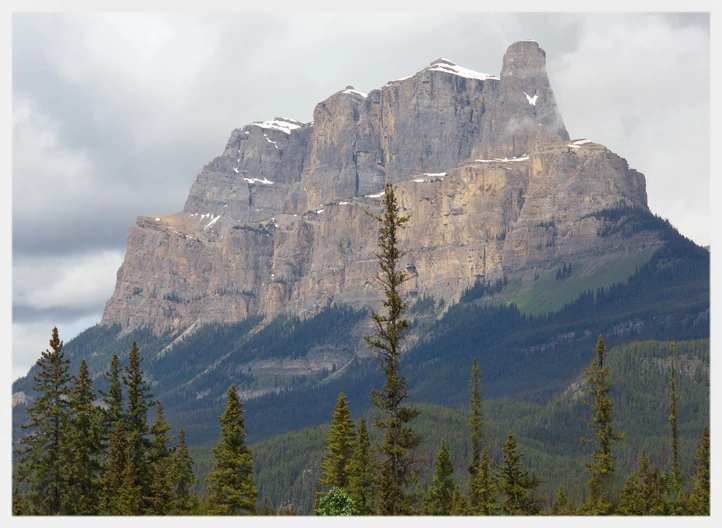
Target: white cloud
(68, 281)
(640, 86)
(30, 339)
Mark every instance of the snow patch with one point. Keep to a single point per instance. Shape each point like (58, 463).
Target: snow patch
(502, 160)
(157, 219)
(379, 195)
(435, 174)
(582, 141)
(572, 145)
(342, 203)
(235, 169)
(319, 211)
(280, 123)
(532, 100)
(264, 181)
(355, 92)
(213, 221)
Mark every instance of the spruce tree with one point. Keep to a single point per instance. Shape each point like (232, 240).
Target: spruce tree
(601, 466)
(111, 481)
(362, 472)
(699, 501)
(561, 504)
(675, 477)
(84, 447)
(483, 487)
(182, 479)
(43, 452)
(440, 495)
(476, 425)
(642, 493)
(339, 446)
(516, 484)
(112, 399)
(397, 465)
(230, 482)
(139, 396)
(159, 460)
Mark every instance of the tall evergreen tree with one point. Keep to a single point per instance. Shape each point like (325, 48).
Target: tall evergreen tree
(112, 479)
(673, 399)
(182, 478)
(601, 466)
(642, 493)
(362, 472)
(516, 484)
(699, 501)
(339, 446)
(43, 463)
(439, 498)
(561, 504)
(159, 460)
(84, 451)
(140, 399)
(483, 486)
(230, 482)
(476, 427)
(397, 464)
(112, 399)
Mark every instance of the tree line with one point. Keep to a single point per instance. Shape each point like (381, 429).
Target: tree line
(84, 456)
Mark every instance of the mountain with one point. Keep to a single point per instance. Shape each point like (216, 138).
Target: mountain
(525, 245)
(277, 224)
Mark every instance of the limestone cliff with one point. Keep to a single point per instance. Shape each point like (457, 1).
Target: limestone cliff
(278, 222)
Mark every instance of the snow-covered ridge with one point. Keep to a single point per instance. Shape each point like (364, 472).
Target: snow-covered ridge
(447, 66)
(350, 90)
(280, 123)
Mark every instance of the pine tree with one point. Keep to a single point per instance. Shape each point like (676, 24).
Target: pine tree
(339, 446)
(84, 451)
(482, 486)
(43, 463)
(181, 478)
(336, 502)
(159, 460)
(112, 479)
(516, 483)
(699, 501)
(112, 399)
(362, 472)
(601, 467)
(642, 493)
(136, 423)
(440, 495)
(230, 482)
(675, 477)
(561, 503)
(476, 425)
(397, 465)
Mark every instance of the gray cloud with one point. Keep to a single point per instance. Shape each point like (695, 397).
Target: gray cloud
(115, 114)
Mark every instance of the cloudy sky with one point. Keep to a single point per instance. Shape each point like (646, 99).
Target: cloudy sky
(113, 116)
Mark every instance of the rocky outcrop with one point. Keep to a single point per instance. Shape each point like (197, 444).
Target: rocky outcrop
(278, 222)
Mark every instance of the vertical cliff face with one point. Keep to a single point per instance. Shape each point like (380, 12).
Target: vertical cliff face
(278, 222)
(525, 115)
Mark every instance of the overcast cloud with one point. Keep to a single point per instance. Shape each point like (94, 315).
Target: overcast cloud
(115, 114)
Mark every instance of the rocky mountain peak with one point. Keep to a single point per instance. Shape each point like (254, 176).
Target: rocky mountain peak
(277, 222)
(524, 59)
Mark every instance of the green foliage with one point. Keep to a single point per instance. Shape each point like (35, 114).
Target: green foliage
(44, 451)
(83, 431)
(699, 501)
(230, 483)
(363, 471)
(439, 498)
(159, 460)
(601, 465)
(516, 484)
(642, 494)
(336, 502)
(181, 479)
(396, 467)
(339, 447)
